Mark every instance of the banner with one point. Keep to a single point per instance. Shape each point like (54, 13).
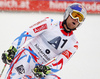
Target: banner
(46, 6)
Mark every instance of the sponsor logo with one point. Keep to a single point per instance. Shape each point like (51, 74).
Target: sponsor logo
(42, 54)
(40, 28)
(67, 54)
(20, 69)
(39, 22)
(90, 6)
(14, 4)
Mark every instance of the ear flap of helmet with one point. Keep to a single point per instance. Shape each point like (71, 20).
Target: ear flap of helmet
(67, 12)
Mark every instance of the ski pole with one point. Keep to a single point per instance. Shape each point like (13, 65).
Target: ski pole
(2, 70)
(51, 61)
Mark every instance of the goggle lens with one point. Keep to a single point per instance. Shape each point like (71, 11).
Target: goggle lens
(78, 15)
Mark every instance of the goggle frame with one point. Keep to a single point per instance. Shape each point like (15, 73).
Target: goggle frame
(77, 16)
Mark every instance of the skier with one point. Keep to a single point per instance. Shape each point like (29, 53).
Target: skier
(50, 44)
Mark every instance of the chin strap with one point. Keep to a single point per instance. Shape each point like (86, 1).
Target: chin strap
(64, 22)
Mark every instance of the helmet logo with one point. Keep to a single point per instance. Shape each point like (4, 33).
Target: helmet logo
(81, 7)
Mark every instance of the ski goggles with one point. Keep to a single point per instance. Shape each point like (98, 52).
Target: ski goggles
(77, 15)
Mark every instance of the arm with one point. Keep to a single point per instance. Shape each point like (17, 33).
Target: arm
(62, 59)
(31, 32)
(54, 65)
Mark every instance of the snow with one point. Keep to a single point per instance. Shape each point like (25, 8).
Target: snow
(85, 64)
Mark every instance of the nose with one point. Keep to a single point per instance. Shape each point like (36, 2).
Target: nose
(76, 20)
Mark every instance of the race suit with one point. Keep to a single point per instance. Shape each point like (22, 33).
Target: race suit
(39, 44)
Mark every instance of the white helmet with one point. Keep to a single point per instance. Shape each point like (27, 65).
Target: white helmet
(75, 7)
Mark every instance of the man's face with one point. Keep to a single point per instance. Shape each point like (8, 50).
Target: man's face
(71, 23)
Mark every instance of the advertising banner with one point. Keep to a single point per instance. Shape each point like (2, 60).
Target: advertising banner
(46, 6)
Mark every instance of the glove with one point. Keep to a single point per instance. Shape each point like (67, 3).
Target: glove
(41, 71)
(8, 55)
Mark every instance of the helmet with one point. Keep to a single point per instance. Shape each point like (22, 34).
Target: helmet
(75, 7)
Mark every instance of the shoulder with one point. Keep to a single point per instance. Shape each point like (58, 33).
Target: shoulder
(53, 21)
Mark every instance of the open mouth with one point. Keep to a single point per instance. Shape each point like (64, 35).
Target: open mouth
(73, 23)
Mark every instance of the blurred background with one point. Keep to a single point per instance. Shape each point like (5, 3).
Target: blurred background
(17, 15)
